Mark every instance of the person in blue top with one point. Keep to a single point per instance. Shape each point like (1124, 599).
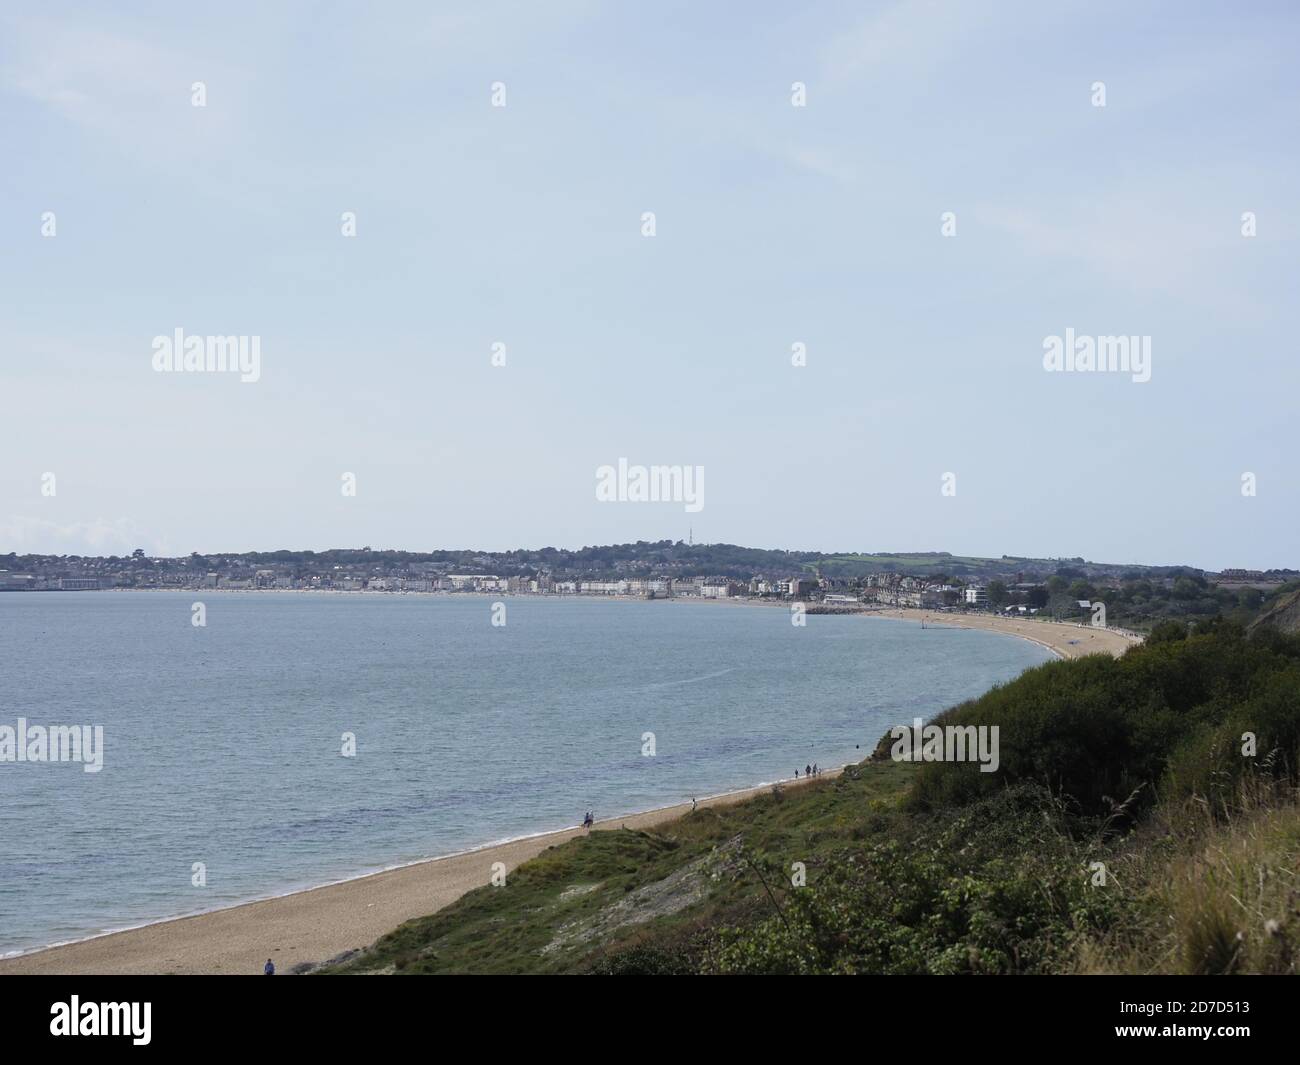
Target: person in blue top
(270, 968)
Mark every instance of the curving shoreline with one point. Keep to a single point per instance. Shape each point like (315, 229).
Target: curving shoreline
(316, 924)
(1063, 638)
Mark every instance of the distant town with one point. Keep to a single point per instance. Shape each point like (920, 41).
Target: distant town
(1061, 588)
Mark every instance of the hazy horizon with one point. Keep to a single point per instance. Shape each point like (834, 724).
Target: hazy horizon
(801, 164)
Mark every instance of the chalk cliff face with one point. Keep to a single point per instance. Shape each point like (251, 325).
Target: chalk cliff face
(1283, 615)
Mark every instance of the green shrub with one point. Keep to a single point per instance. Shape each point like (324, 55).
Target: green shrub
(1096, 730)
(1002, 886)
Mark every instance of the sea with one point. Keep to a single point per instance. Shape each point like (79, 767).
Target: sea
(297, 739)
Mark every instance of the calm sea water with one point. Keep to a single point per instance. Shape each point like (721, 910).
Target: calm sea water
(222, 744)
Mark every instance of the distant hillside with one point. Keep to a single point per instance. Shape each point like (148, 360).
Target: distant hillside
(1282, 614)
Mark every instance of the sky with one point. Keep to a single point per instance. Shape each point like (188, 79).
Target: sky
(949, 189)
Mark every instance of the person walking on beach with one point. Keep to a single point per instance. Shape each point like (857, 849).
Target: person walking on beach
(588, 821)
(807, 770)
(269, 970)
(694, 804)
(814, 768)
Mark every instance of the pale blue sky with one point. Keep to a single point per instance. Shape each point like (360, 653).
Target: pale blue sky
(775, 224)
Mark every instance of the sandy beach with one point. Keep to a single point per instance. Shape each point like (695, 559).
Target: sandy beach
(1063, 638)
(321, 923)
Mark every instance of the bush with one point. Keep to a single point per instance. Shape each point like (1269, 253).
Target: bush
(1095, 730)
(999, 887)
(644, 961)
(1167, 631)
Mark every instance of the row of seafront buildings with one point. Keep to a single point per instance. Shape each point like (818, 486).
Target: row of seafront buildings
(30, 582)
(899, 590)
(883, 588)
(477, 574)
(873, 590)
(895, 589)
(418, 576)
(343, 581)
(700, 587)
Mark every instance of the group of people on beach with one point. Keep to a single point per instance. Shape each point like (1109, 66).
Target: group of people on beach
(588, 821)
(808, 771)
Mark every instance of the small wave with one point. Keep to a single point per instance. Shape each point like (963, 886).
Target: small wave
(679, 683)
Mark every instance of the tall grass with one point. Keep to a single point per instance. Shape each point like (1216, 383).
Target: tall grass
(1211, 887)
